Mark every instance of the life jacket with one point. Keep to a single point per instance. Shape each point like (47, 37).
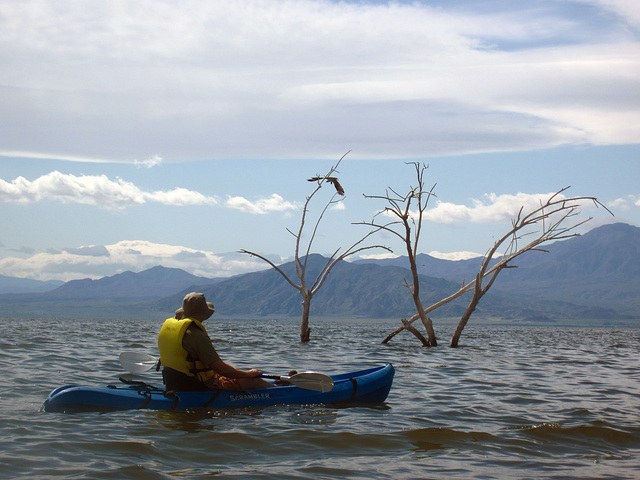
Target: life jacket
(174, 355)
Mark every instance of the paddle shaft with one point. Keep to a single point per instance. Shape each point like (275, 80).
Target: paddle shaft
(275, 377)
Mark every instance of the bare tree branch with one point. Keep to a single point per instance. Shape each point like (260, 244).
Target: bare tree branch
(415, 331)
(301, 262)
(408, 230)
(550, 219)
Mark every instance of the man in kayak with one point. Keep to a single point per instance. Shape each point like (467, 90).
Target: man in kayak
(190, 361)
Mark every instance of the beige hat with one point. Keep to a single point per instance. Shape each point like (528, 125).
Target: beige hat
(194, 305)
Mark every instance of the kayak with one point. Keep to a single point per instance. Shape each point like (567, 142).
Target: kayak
(369, 386)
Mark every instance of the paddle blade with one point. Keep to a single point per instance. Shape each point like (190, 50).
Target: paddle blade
(136, 362)
(315, 381)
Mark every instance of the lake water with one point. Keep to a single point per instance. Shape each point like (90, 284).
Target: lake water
(511, 402)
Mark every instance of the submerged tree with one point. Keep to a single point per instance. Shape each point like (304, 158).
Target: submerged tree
(301, 255)
(551, 221)
(407, 226)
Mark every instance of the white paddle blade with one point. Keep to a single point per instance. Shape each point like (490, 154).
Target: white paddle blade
(315, 381)
(136, 362)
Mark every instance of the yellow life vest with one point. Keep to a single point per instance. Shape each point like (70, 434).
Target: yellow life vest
(174, 355)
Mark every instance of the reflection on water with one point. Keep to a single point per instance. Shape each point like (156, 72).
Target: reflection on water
(509, 403)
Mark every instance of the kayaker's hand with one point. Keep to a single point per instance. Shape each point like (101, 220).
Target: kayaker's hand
(254, 373)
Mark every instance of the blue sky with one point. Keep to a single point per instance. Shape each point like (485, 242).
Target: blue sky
(138, 133)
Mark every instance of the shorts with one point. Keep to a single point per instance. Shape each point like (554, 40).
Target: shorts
(219, 382)
(179, 382)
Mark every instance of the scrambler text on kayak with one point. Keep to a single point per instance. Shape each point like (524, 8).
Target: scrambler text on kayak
(248, 396)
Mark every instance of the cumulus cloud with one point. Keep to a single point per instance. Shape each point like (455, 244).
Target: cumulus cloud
(621, 204)
(180, 197)
(274, 203)
(96, 190)
(130, 255)
(491, 208)
(100, 191)
(198, 79)
(625, 203)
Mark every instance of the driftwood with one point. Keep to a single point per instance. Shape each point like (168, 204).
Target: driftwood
(550, 219)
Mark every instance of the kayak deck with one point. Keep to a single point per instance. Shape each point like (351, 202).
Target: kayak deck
(368, 386)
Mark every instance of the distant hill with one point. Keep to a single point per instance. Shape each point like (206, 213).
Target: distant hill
(368, 291)
(456, 271)
(26, 285)
(154, 283)
(593, 277)
(600, 269)
(126, 295)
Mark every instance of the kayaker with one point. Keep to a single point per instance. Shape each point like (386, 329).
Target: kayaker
(189, 360)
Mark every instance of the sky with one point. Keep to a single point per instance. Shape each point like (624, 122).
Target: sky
(136, 133)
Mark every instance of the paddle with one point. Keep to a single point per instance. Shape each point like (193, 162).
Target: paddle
(318, 382)
(138, 363)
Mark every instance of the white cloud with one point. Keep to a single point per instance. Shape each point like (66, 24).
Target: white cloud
(491, 209)
(220, 79)
(454, 256)
(180, 197)
(96, 190)
(624, 204)
(621, 204)
(274, 203)
(100, 191)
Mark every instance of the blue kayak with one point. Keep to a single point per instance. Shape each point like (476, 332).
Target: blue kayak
(369, 386)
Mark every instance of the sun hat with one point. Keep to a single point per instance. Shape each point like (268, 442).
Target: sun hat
(194, 305)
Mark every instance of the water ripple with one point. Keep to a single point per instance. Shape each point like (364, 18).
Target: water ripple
(509, 403)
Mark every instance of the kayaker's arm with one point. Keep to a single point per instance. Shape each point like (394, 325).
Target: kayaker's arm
(197, 343)
(230, 371)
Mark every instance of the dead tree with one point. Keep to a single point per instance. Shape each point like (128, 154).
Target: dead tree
(407, 225)
(549, 222)
(302, 254)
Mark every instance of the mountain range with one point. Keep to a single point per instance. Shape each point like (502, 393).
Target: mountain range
(594, 277)
(26, 285)
(600, 269)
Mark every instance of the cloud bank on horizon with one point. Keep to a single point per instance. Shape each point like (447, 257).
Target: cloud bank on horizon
(136, 255)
